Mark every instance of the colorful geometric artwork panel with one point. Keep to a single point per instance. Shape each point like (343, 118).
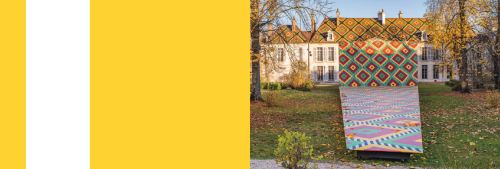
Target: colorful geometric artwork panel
(382, 118)
(378, 63)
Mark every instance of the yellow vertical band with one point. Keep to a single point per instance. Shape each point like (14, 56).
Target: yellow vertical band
(13, 84)
(169, 84)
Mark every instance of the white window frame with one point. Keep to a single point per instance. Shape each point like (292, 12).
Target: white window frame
(330, 36)
(320, 52)
(331, 73)
(424, 70)
(435, 71)
(322, 75)
(424, 54)
(331, 54)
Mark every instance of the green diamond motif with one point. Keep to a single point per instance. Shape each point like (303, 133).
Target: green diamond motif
(359, 116)
(366, 131)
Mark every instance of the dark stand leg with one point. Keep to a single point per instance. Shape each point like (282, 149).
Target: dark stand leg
(381, 154)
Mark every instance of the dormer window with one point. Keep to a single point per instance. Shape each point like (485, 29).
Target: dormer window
(424, 36)
(330, 36)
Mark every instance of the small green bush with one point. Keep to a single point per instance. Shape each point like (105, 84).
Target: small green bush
(308, 86)
(452, 82)
(455, 84)
(270, 85)
(273, 99)
(263, 85)
(294, 150)
(274, 86)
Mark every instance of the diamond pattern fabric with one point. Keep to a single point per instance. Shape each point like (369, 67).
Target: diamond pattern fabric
(382, 118)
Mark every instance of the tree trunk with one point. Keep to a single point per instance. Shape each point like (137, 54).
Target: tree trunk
(495, 71)
(255, 30)
(496, 67)
(463, 49)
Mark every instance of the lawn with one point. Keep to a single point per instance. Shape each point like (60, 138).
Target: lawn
(457, 131)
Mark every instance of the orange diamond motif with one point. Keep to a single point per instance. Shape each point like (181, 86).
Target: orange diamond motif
(410, 30)
(400, 23)
(349, 22)
(351, 36)
(367, 23)
(359, 30)
(393, 29)
(376, 29)
(342, 29)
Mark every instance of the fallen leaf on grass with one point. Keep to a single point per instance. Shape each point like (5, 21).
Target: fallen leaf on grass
(350, 135)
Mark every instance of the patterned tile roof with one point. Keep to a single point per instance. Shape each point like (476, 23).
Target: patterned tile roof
(354, 29)
(286, 34)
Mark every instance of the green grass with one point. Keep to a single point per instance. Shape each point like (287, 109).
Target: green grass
(449, 124)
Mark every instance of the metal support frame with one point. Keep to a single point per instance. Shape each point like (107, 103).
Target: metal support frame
(386, 155)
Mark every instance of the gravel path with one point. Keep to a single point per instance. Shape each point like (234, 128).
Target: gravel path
(271, 164)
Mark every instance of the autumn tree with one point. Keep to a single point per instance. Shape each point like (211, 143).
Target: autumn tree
(265, 12)
(489, 25)
(453, 25)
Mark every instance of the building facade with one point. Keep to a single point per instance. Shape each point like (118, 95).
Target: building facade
(322, 49)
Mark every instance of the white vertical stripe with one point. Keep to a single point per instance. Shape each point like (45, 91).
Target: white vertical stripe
(57, 84)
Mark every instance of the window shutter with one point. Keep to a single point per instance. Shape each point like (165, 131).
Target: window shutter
(440, 54)
(325, 73)
(430, 53)
(314, 55)
(421, 52)
(333, 55)
(315, 71)
(325, 52)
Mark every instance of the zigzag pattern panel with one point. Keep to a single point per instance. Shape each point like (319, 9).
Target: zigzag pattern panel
(378, 63)
(382, 119)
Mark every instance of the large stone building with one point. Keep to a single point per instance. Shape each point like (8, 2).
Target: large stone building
(322, 48)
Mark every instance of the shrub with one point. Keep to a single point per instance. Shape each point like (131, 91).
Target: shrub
(273, 99)
(263, 85)
(274, 86)
(493, 98)
(455, 84)
(287, 81)
(452, 82)
(297, 78)
(294, 151)
(308, 86)
(456, 87)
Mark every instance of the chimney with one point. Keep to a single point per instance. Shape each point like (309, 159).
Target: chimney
(269, 29)
(382, 17)
(338, 17)
(400, 14)
(294, 24)
(313, 23)
(379, 16)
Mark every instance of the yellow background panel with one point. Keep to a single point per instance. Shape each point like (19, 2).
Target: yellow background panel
(169, 84)
(13, 84)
